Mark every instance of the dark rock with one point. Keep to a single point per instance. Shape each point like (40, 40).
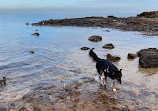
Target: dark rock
(36, 108)
(27, 23)
(112, 58)
(111, 16)
(95, 38)
(148, 58)
(32, 52)
(152, 14)
(142, 51)
(36, 34)
(61, 95)
(12, 104)
(131, 56)
(36, 30)
(3, 109)
(23, 109)
(125, 109)
(108, 46)
(85, 48)
(145, 25)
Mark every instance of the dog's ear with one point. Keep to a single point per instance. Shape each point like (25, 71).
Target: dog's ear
(120, 70)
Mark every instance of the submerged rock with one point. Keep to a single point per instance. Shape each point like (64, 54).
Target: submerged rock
(112, 58)
(36, 34)
(148, 58)
(27, 23)
(131, 56)
(108, 46)
(85, 48)
(95, 38)
(32, 52)
(3, 109)
(36, 30)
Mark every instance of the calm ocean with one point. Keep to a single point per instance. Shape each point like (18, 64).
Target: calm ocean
(58, 56)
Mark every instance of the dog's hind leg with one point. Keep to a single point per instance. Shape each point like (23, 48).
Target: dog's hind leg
(105, 75)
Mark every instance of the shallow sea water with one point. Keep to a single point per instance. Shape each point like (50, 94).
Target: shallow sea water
(58, 56)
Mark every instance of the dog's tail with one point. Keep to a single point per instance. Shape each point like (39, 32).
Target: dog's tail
(93, 55)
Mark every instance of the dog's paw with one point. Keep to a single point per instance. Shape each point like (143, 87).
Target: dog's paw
(114, 90)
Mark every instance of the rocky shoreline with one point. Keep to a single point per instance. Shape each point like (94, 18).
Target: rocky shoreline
(144, 23)
(73, 96)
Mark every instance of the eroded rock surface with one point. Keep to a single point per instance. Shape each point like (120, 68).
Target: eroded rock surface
(108, 46)
(152, 14)
(131, 56)
(146, 25)
(95, 38)
(148, 58)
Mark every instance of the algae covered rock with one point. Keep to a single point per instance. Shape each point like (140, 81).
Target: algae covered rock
(95, 38)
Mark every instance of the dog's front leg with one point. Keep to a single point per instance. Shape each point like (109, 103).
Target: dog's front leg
(100, 80)
(106, 80)
(114, 89)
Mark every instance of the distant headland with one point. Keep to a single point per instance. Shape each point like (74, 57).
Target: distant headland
(146, 22)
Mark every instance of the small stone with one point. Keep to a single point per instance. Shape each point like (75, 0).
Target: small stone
(131, 56)
(108, 46)
(85, 48)
(12, 104)
(32, 52)
(53, 101)
(27, 23)
(36, 34)
(23, 109)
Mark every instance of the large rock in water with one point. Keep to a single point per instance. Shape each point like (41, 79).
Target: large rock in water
(148, 58)
(95, 38)
(152, 14)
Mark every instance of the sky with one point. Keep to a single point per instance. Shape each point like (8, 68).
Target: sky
(76, 6)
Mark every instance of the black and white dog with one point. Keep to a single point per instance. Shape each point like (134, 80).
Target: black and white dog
(109, 69)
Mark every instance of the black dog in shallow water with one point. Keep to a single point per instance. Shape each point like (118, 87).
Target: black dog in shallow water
(109, 69)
